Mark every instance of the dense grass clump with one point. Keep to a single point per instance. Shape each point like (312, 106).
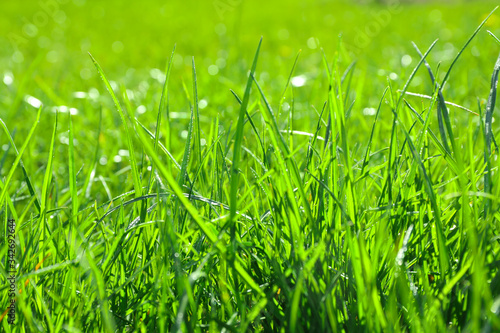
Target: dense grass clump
(174, 205)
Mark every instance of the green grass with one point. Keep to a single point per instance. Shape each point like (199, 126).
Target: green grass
(274, 176)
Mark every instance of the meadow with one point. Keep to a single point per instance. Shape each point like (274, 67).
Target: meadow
(230, 165)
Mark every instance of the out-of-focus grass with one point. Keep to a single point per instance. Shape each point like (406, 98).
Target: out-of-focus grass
(130, 39)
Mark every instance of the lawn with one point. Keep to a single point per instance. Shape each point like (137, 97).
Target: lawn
(230, 165)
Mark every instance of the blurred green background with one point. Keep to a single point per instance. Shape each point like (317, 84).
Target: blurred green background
(128, 35)
(44, 46)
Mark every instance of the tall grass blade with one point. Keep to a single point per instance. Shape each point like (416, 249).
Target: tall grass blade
(233, 198)
(488, 132)
(132, 159)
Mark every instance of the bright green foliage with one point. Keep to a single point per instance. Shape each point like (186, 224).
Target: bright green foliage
(353, 188)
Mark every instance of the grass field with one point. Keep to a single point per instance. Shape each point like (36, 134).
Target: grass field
(230, 165)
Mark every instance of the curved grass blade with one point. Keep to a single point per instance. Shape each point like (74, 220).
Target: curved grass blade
(132, 159)
(465, 46)
(155, 139)
(441, 103)
(233, 199)
(412, 75)
(488, 120)
(26, 177)
(164, 95)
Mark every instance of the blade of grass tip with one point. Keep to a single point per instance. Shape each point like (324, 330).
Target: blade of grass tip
(349, 70)
(368, 146)
(465, 46)
(187, 150)
(164, 93)
(205, 228)
(19, 155)
(282, 99)
(152, 136)
(495, 37)
(412, 75)
(237, 143)
(490, 107)
(26, 177)
(72, 183)
(443, 106)
(132, 159)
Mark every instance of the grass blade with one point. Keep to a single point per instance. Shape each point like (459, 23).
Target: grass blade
(18, 157)
(233, 199)
(488, 132)
(132, 159)
(72, 171)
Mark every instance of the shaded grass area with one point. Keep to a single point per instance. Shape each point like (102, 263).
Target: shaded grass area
(320, 193)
